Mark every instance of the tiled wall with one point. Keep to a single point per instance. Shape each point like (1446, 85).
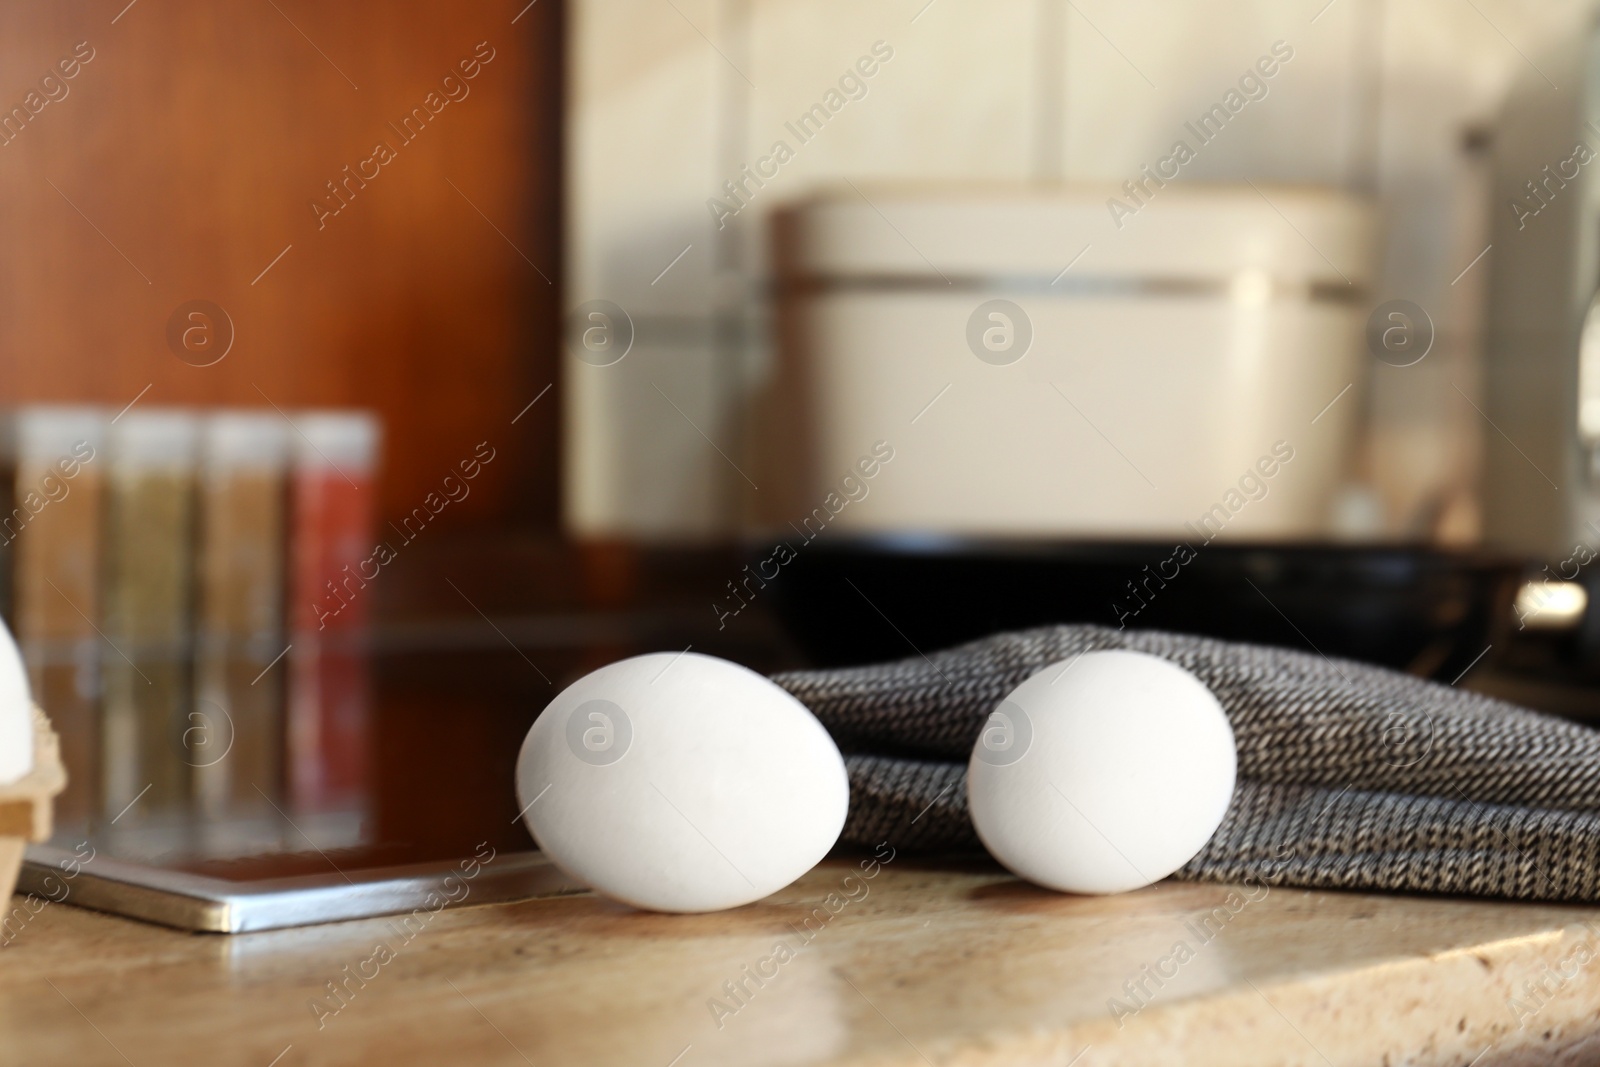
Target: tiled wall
(1388, 97)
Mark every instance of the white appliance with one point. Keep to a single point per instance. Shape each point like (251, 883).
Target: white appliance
(1194, 364)
(1542, 364)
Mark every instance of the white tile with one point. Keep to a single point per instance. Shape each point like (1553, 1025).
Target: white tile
(643, 129)
(647, 106)
(656, 469)
(1193, 55)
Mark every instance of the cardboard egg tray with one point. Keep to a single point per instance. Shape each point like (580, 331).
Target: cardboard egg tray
(25, 804)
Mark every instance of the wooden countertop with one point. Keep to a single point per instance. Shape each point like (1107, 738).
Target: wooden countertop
(914, 965)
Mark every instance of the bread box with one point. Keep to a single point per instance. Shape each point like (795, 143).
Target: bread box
(1026, 363)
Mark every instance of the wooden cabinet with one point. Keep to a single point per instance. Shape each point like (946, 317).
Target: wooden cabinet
(225, 152)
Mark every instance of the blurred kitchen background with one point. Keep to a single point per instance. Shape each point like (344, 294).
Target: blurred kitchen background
(797, 332)
(1395, 101)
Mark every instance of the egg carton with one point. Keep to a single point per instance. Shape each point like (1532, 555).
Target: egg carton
(25, 805)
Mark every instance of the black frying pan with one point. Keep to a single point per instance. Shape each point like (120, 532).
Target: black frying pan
(1431, 612)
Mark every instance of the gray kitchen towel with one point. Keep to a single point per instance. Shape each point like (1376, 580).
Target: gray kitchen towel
(1350, 776)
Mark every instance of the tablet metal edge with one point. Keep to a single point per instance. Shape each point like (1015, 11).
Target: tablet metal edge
(214, 905)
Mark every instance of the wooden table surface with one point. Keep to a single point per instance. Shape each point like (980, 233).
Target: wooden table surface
(915, 965)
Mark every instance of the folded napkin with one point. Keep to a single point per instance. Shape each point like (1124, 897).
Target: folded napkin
(1350, 776)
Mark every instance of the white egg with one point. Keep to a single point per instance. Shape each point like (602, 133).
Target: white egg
(16, 712)
(681, 782)
(1102, 773)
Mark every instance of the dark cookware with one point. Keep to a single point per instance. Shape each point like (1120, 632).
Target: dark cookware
(1428, 611)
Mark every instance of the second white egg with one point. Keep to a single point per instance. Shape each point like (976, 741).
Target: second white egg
(1102, 773)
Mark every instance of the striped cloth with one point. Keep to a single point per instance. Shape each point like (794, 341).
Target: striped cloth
(1350, 776)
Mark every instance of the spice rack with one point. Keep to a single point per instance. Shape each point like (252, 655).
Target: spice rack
(159, 569)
